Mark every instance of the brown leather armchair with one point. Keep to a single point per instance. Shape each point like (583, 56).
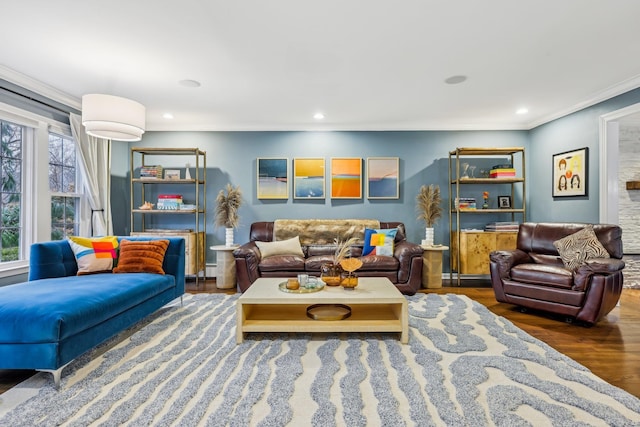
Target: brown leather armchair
(534, 276)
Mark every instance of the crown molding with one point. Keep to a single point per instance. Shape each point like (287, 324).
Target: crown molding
(40, 88)
(612, 91)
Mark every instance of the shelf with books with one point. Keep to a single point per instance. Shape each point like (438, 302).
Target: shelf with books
(151, 202)
(504, 171)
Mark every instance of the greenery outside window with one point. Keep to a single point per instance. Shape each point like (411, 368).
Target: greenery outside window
(63, 183)
(12, 136)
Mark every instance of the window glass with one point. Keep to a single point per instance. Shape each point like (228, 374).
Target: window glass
(65, 201)
(11, 136)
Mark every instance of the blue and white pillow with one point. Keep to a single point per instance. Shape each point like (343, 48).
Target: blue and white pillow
(379, 241)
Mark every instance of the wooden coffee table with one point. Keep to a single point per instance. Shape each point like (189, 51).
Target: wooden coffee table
(376, 306)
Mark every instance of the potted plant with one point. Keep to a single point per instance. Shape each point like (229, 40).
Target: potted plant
(429, 209)
(226, 214)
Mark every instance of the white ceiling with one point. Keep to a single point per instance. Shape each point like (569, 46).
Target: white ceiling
(367, 64)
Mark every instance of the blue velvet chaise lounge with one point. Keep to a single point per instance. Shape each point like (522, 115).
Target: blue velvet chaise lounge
(56, 316)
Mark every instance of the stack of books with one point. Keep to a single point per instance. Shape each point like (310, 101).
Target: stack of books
(502, 171)
(169, 201)
(502, 226)
(466, 203)
(151, 172)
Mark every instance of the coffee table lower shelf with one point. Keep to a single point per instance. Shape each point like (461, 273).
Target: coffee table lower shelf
(293, 318)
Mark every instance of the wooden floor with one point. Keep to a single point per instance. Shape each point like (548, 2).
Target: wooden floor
(610, 349)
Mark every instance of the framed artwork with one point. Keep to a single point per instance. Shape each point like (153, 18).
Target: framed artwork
(308, 178)
(346, 178)
(504, 202)
(172, 174)
(272, 178)
(383, 178)
(570, 173)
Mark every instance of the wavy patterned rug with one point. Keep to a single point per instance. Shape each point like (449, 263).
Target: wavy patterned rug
(463, 366)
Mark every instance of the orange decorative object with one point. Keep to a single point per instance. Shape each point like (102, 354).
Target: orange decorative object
(351, 264)
(146, 206)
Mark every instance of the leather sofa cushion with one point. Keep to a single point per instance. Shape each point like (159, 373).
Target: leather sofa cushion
(543, 274)
(378, 263)
(282, 263)
(545, 294)
(314, 263)
(546, 259)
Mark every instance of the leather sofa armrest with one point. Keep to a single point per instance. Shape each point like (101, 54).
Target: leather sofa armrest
(604, 266)
(505, 260)
(247, 259)
(404, 252)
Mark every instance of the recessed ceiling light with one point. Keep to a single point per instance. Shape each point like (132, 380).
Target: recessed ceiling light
(167, 116)
(189, 83)
(318, 116)
(522, 110)
(454, 80)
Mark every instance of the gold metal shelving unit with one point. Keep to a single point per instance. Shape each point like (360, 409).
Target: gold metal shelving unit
(516, 156)
(194, 243)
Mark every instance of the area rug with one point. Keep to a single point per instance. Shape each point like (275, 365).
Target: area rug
(463, 366)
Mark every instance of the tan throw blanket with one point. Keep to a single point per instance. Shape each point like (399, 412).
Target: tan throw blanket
(322, 231)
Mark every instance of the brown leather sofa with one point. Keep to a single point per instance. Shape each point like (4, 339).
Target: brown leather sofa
(534, 275)
(404, 268)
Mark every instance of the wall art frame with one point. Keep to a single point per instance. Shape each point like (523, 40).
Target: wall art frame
(309, 178)
(383, 177)
(272, 178)
(570, 173)
(346, 177)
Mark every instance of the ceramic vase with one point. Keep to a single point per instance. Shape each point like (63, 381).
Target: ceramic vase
(428, 236)
(228, 237)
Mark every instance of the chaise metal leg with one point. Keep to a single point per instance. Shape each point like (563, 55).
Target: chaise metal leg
(57, 375)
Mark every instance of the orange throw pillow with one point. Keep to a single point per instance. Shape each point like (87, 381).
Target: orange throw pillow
(137, 256)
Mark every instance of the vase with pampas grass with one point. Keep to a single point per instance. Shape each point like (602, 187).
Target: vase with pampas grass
(226, 214)
(429, 209)
(330, 272)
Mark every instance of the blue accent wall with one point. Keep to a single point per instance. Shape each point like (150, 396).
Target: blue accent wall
(574, 131)
(231, 158)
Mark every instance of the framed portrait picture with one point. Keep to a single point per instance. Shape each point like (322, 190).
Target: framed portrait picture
(570, 173)
(272, 178)
(383, 178)
(504, 202)
(308, 178)
(346, 178)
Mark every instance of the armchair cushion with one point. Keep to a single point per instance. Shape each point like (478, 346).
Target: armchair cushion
(579, 247)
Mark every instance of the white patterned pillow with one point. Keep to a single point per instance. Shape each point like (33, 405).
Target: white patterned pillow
(579, 247)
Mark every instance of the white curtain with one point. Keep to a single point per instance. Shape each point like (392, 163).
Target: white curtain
(94, 162)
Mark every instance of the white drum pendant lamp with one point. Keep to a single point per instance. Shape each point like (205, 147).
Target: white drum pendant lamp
(113, 117)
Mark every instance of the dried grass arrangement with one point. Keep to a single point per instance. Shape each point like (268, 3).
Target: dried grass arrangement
(343, 249)
(227, 205)
(428, 204)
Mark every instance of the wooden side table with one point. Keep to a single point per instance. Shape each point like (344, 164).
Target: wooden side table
(225, 266)
(432, 266)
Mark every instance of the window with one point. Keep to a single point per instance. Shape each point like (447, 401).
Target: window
(63, 182)
(12, 136)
